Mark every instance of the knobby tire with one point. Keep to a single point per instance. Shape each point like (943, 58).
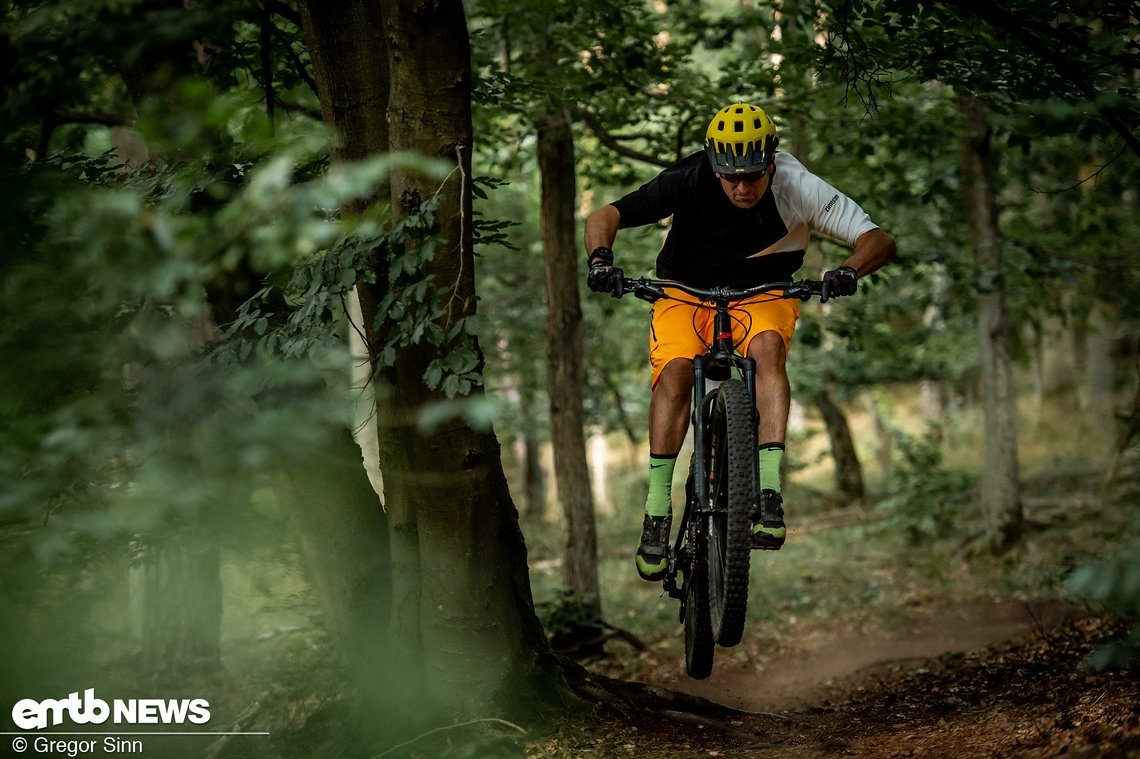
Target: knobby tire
(731, 462)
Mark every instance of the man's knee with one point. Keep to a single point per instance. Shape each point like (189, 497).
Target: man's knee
(768, 349)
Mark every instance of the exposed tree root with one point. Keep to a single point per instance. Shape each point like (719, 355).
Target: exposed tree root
(625, 694)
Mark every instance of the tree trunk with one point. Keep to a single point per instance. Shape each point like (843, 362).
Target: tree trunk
(350, 59)
(1098, 405)
(1057, 388)
(848, 471)
(1001, 491)
(932, 390)
(351, 73)
(461, 586)
(336, 516)
(534, 476)
(564, 354)
(884, 443)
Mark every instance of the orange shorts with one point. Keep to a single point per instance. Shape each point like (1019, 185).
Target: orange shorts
(683, 328)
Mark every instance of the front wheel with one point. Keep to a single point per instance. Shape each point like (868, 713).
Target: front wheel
(731, 466)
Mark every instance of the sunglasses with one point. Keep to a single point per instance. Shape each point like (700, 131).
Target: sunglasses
(752, 176)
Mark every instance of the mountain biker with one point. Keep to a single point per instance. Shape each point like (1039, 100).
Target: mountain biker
(742, 215)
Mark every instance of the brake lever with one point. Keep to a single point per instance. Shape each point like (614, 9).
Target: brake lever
(807, 288)
(649, 293)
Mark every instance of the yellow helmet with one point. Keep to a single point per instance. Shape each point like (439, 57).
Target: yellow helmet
(740, 139)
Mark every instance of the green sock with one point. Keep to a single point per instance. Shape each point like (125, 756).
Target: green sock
(771, 455)
(659, 502)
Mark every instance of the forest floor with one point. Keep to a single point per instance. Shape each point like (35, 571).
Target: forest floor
(980, 682)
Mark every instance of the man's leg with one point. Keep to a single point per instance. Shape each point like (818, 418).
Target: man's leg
(668, 423)
(773, 401)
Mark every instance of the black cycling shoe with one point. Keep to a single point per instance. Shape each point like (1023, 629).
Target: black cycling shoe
(652, 557)
(768, 531)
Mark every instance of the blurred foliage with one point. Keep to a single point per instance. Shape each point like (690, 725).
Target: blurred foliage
(924, 499)
(1113, 583)
(135, 407)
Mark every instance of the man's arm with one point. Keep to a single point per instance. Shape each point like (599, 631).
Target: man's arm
(601, 228)
(872, 249)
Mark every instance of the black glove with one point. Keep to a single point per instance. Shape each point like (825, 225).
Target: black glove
(603, 276)
(841, 281)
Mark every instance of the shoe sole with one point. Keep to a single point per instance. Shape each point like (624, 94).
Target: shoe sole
(763, 542)
(655, 576)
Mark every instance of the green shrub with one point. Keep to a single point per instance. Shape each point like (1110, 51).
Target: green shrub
(924, 498)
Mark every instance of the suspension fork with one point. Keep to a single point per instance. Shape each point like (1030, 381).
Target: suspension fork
(700, 416)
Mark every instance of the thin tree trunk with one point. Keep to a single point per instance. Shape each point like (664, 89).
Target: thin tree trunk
(884, 444)
(1098, 406)
(534, 475)
(564, 354)
(933, 390)
(848, 470)
(1057, 397)
(1001, 490)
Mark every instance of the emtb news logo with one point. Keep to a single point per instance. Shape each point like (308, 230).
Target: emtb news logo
(29, 714)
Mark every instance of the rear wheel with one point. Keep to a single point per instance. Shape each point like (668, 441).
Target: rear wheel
(730, 463)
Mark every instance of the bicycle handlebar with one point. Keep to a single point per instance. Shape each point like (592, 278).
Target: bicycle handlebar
(651, 290)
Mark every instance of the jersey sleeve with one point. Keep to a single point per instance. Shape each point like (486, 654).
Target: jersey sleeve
(829, 211)
(653, 201)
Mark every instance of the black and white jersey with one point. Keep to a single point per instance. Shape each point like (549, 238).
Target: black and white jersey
(711, 242)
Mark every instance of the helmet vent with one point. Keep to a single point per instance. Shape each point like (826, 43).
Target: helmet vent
(738, 126)
(740, 110)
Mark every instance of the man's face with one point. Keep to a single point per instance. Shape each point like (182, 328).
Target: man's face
(745, 190)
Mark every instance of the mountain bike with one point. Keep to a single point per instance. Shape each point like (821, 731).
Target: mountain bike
(709, 562)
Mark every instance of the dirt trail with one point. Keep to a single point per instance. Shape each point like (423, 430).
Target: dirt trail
(806, 673)
(962, 681)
